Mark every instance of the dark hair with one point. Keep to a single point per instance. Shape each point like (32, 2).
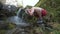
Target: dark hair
(29, 7)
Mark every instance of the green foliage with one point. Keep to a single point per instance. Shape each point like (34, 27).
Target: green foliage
(56, 32)
(11, 26)
(53, 11)
(2, 31)
(29, 19)
(52, 7)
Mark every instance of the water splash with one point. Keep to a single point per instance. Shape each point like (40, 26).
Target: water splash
(17, 20)
(18, 11)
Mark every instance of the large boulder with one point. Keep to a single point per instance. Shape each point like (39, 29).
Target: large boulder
(7, 10)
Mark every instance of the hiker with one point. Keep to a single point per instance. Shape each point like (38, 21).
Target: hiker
(38, 12)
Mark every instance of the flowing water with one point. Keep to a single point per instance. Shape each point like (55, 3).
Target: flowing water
(17, 20)
(19, 23)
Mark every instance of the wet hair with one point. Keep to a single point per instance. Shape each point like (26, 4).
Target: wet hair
(28, 7)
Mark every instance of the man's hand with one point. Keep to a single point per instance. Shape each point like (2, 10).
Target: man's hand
(28, 11)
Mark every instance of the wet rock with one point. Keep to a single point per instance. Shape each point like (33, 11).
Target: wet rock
(7, 10)
(3, 25)
(6, 25)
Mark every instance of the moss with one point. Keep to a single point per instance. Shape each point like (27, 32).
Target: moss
(11, 26)
(2, 31)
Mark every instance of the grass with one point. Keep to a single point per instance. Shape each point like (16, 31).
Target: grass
(56, 29)
(2, 31)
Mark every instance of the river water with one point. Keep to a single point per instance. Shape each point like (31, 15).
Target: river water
(17, 20)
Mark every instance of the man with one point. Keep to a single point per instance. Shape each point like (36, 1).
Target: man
(38, 12)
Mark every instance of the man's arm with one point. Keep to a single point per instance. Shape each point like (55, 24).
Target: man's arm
(31, 11)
